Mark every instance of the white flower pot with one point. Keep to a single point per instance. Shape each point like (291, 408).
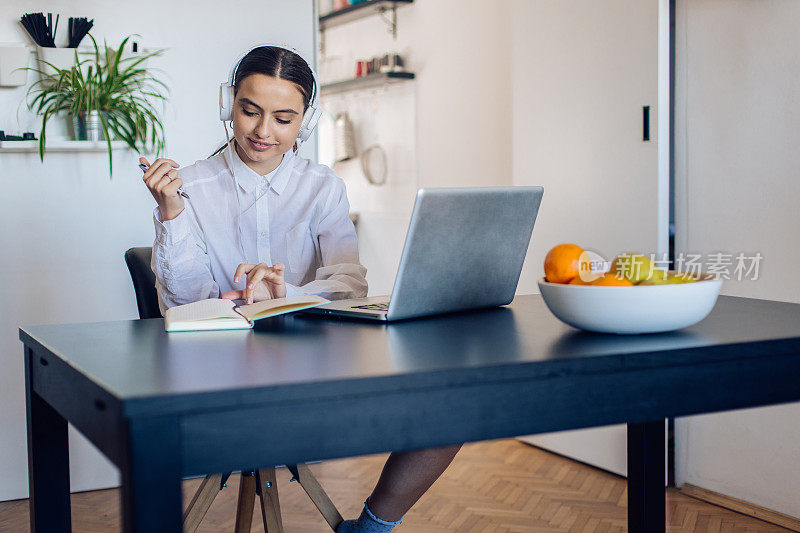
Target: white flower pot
(13, 60)
(61, 58)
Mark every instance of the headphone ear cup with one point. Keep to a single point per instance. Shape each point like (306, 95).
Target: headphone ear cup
(310, 123)
(225, 101)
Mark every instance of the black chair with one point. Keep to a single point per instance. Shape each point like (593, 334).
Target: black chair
(144, 281)
(261, 481)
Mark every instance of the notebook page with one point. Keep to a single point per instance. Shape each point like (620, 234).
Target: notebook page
(202, 310)
(280, 305)
(209, 324)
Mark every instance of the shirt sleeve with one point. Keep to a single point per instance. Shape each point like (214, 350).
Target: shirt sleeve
(180, 261)
(341, 275)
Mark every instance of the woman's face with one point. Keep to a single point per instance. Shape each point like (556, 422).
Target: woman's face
(267, 114)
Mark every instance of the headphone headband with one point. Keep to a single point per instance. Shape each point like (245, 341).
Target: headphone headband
(312, 113)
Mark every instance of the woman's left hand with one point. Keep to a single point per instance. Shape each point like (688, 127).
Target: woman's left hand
(263, 283)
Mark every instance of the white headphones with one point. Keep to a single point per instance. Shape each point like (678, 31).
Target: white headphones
(311, 115)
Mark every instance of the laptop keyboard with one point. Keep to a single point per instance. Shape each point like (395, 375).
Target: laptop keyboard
(373, 307)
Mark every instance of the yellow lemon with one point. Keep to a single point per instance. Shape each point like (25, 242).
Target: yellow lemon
(633, 267)
(681, 278)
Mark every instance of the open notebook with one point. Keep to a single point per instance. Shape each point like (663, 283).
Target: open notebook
(218, 313)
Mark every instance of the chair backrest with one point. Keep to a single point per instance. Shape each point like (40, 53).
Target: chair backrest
(144, 281)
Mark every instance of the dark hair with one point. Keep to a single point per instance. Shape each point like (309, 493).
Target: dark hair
(279, 63)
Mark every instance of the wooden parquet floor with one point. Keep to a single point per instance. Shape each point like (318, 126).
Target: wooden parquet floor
(500, 486)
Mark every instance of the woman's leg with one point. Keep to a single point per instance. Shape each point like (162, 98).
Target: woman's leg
(406, 476)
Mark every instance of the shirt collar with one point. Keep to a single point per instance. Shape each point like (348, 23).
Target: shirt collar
(248, 179)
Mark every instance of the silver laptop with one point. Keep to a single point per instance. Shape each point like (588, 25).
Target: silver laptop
(464, 250)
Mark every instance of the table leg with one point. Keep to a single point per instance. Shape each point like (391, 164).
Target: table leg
(151, 477)
(48, 460)
(646, 503)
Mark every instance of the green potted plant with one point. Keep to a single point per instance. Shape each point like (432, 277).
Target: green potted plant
(111, 96)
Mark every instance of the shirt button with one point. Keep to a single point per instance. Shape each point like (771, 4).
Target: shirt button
(263, 233)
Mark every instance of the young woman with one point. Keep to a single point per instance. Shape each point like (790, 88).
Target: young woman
(262, 223)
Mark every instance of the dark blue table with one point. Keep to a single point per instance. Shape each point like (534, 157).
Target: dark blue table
(162, 406)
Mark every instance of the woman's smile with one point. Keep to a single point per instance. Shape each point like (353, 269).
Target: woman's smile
(260, 146)
(267, 116)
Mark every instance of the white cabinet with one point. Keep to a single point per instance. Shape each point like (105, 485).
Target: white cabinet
(582, 72)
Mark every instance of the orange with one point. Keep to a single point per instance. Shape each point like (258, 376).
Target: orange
(612, 280)
(562, 263)
(578, 281)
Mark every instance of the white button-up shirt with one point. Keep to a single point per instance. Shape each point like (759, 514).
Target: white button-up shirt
(298, 215)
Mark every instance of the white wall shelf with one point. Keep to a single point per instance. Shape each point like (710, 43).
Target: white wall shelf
(359, 11)
(60, 145)
(370, 80)
(88, 50)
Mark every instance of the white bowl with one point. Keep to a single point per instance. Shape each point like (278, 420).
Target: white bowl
(632, 310)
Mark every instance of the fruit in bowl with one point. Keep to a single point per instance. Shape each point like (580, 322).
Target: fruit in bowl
(636, 268)
(611, 302)
(563, 263)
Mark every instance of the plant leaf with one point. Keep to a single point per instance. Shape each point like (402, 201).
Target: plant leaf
(117, 87)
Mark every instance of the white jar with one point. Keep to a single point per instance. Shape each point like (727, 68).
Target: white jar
(61, 58)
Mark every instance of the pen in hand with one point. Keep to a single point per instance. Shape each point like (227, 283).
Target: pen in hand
(180, 191)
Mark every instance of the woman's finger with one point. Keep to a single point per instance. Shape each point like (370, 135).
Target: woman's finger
(272, 276)
(172, 187)
(165, 160)
(233, 295)
(254, 277)
(275, 273)
(155, 173)
(242, 269)
(159, 184)
(166, 180)
(164, 167)
(277, 287)
(272, 281)
(151, 171)
(160, 167)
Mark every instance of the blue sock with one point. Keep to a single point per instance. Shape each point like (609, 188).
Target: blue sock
(367, 523)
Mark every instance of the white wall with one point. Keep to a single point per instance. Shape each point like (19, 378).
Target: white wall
(459, 108)
(383, 116)
(64, 225)
(459, 50)
(737, 170)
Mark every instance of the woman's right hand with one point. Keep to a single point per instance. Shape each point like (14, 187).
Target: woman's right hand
(163, 181)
